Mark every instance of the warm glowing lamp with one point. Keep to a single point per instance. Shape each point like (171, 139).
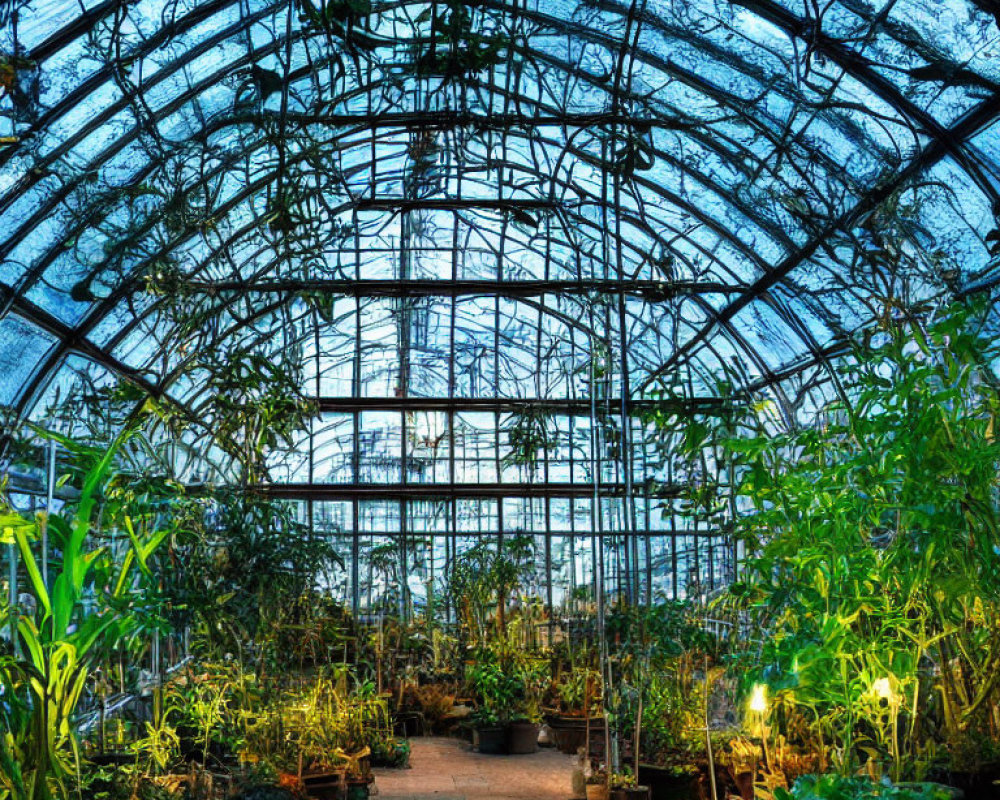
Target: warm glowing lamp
(758, 699)
(883, 688)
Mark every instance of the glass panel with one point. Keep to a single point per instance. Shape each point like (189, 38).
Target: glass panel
(22, 345)
(428, 447)
(380, 441)
(333, 449)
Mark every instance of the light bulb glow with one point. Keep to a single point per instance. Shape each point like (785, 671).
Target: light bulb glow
(883, 688)
(758, 698)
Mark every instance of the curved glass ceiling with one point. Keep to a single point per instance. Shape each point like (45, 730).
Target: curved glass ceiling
(477, 200)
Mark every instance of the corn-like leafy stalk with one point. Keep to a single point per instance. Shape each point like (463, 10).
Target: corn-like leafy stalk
(58, 642)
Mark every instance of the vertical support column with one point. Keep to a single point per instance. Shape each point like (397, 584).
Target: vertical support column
(648, 540)
(310, 504)
(673, 537)
(356, 424)
(50, 490)
(571, 605)
(450, 612)
(548, 566)
(355, 559)
(404, 560)
(737, 553)
(571, 583)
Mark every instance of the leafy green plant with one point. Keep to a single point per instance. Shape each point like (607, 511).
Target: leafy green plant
(873, 579)
(623, 779)
(334, 15)
(390, 752)
(497, 688)
(236, 566)
(484, 577)
(159, 748)
(656, 698)
(530, 434)
(839, 787)
(535, 676)
(669, 715)
(256, 404)
(457, 47)
(574, 685)
(58, 640)
(323, 724)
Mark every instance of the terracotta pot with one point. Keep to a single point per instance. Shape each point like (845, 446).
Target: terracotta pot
(597, 791)
(744, 783)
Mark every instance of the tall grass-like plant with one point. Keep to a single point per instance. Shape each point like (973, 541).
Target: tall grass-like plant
(870, 593)
(57, 641)
(484, 577)
(874, 537)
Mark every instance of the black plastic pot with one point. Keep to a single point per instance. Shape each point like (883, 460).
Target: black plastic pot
(491, 740)
(522, 738)
(324, 785)
(358, 789)
(570, 733)
(630, 793)
(981, 785)
(665, 784)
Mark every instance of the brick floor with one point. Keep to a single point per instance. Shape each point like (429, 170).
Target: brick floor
(446, 769)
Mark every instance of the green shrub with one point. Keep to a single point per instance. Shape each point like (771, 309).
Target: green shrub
(837, 787)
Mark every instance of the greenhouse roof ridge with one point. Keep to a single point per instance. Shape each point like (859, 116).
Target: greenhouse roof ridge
(700, 189)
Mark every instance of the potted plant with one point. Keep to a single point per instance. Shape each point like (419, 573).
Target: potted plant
(597, 786)
(358, 778)
(489, 734)
(59, 637)
(624, 787)
(832, 786)
(522, 731)
(495, 689)
(522, 736)
(578, 691)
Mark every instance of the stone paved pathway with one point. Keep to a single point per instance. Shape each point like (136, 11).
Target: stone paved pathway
(446, 769)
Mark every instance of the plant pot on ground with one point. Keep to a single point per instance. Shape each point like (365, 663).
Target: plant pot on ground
(630, 793)
(359, 788)
(569, 732)
(522, 737)
(670, 783)
(597, 787)
(497, 690)
(489, 734)
(623, 787)
(490, 739)
(390, 752)
(327, 785)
